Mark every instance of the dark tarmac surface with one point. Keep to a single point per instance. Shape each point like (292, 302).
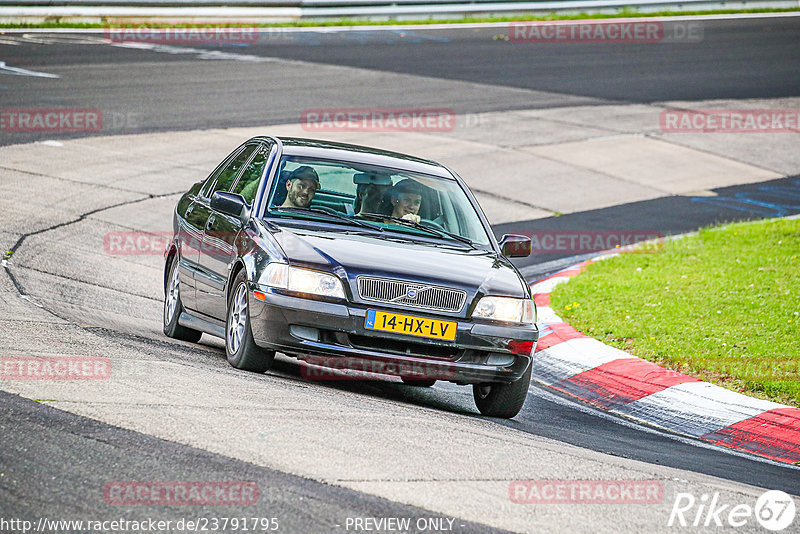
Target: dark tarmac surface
(51, 456)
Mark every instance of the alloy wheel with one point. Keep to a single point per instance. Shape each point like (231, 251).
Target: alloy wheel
(237, 321)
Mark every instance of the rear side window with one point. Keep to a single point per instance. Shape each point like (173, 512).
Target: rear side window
(228, 173)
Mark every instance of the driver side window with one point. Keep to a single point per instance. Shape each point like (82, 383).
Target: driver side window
(247, 186)
(230, 171)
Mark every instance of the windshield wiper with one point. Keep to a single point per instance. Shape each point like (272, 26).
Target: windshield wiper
(333, 214)
(414, 224)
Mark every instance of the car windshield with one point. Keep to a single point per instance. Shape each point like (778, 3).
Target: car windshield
(384, 198)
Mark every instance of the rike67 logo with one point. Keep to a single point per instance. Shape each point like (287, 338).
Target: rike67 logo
(774, 510)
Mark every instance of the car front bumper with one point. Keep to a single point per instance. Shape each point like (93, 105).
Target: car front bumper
(333, 335)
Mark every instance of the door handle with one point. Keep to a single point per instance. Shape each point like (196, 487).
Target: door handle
(189, 210)
(210, 222)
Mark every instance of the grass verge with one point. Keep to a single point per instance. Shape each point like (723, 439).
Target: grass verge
(358, 22)
(722, 306)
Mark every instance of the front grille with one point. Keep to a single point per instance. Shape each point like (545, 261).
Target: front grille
(410, 294)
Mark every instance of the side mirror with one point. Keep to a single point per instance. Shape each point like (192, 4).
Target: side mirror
(230, 204)
(515, 246)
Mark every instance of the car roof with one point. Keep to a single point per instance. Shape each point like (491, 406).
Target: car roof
(318, 148)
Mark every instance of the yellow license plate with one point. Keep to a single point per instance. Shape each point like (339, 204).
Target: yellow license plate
(408, 324)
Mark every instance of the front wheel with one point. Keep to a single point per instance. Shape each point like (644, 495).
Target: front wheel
(240, 348)
(502, 400)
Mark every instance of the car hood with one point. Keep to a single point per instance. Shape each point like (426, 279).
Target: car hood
(392, 256)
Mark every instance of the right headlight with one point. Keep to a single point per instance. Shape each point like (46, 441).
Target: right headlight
(504, 309)
(283, 276)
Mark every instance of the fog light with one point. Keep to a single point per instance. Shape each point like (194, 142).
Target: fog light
(304, 332)
(501, 359)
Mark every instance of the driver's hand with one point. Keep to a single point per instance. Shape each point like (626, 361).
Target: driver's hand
(411, 217)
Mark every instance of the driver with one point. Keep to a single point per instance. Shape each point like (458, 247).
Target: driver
(405, 199)
(301, 186)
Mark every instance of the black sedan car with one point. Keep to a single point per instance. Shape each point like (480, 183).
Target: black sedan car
(353, 259)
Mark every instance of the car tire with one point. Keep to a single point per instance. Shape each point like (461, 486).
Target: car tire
(240, 347)
(419, 382)
(502, 400)
(173, 307)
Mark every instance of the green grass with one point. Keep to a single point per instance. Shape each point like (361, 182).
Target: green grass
(722, 306)
(57, 23)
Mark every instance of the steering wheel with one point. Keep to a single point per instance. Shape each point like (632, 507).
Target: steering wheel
(432, 224)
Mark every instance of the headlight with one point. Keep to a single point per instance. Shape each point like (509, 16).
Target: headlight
(301, 280)
(506, 309)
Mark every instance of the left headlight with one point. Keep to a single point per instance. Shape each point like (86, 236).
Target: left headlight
(301, 280)
(505, 309)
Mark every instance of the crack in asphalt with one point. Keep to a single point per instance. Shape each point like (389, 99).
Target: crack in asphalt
(10, 252)
(70, 181)
(6, 263)
(80, 218)
(86, 282)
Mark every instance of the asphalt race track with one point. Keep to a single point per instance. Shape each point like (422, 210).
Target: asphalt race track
(323, 453)
(160, 91)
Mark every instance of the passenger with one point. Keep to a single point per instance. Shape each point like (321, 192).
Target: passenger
(405, 199)
(301, 186)
(370, 190)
